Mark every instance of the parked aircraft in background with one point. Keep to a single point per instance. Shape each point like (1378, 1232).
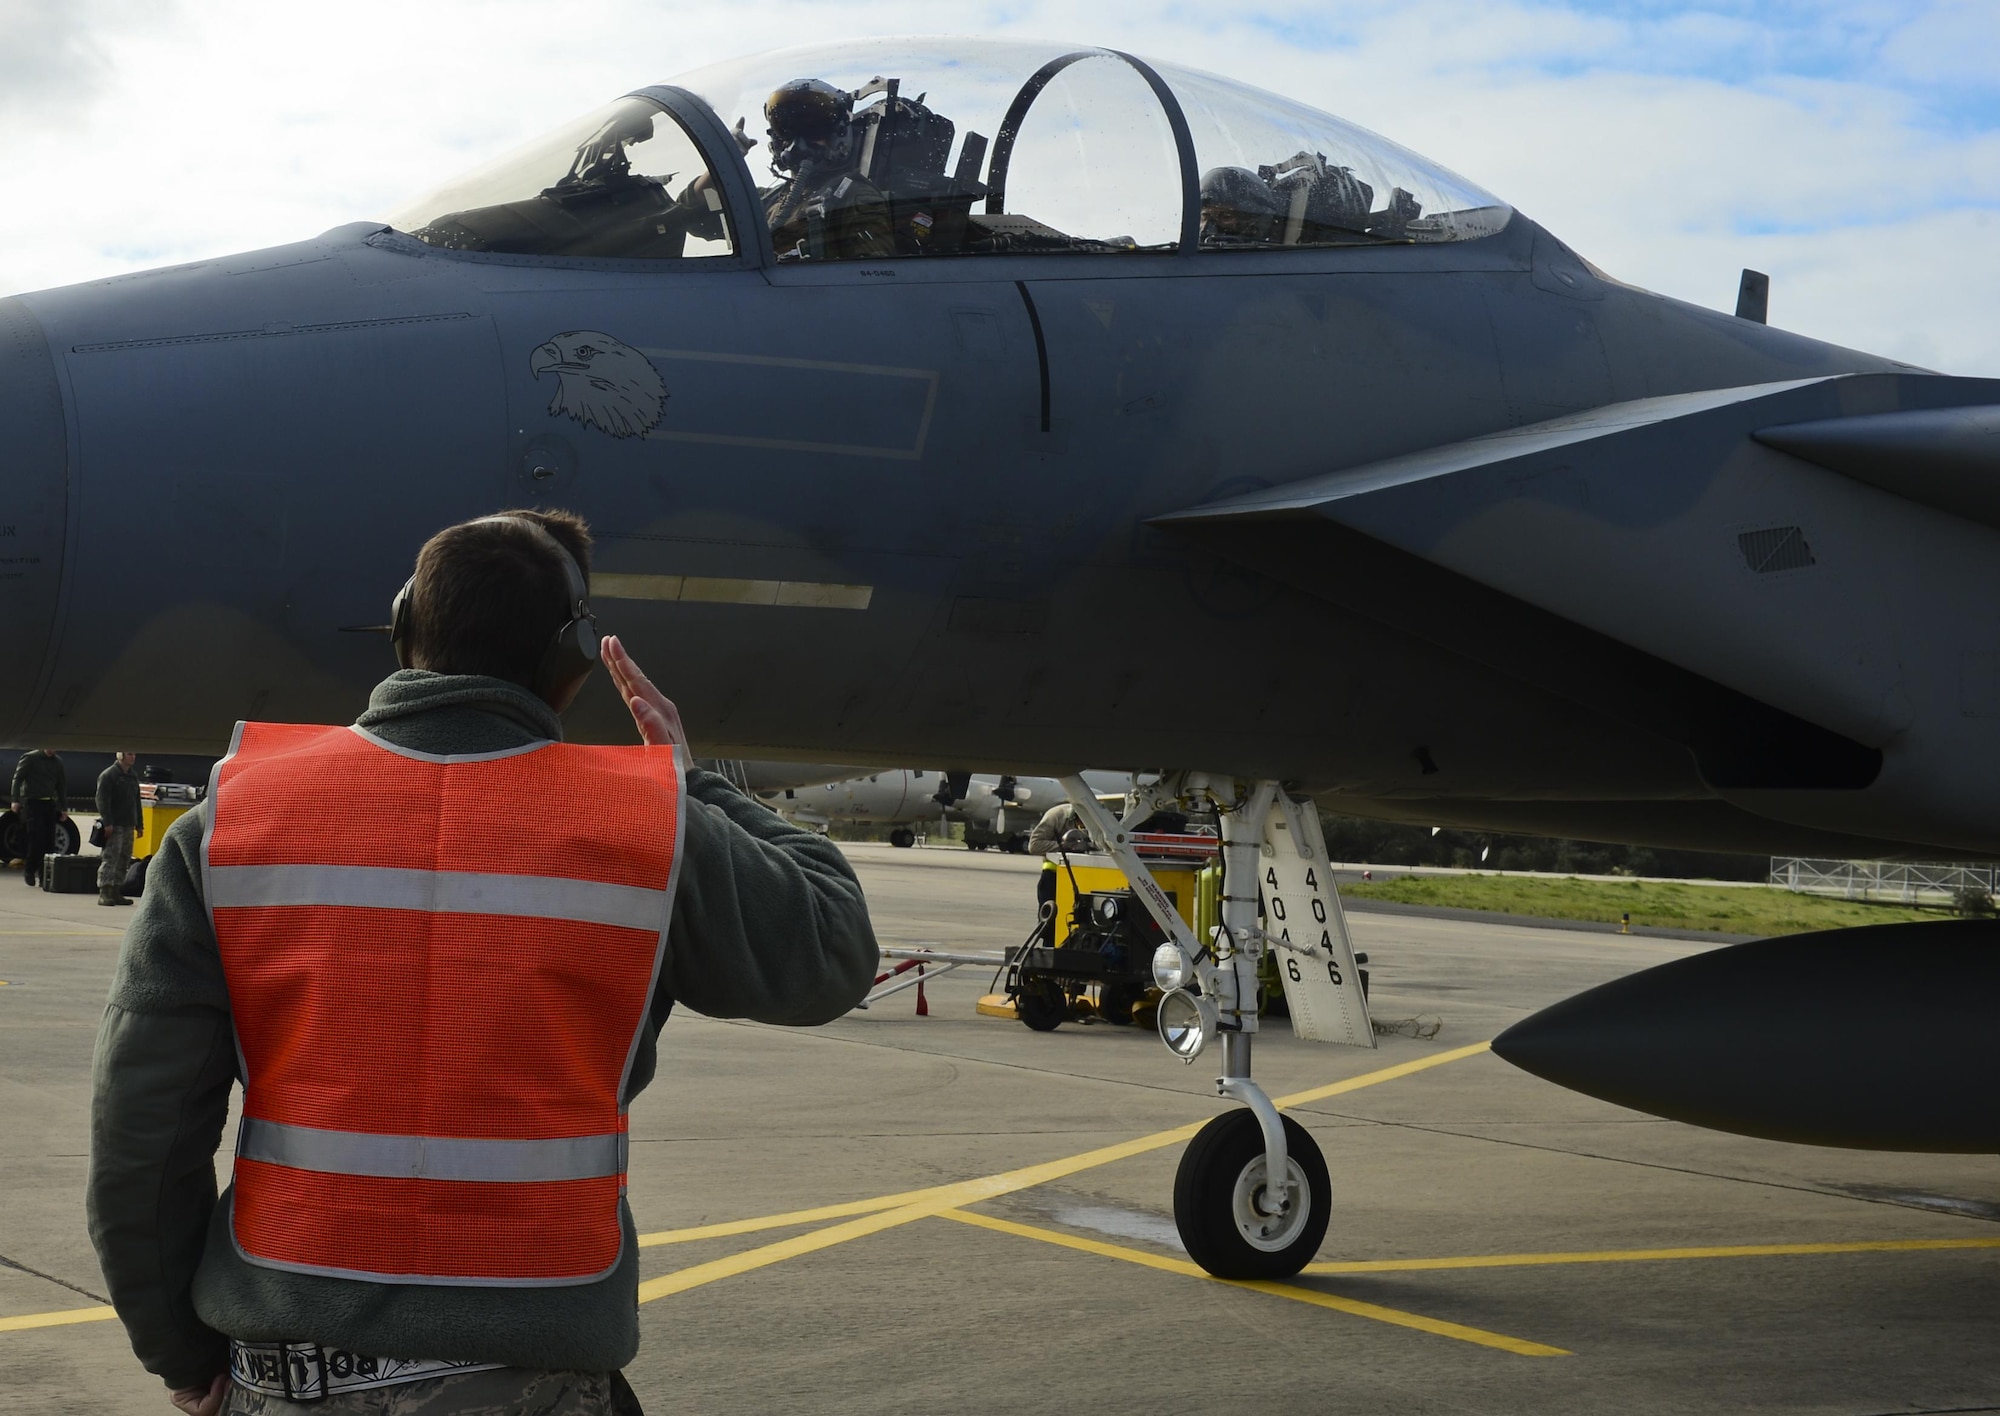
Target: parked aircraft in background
(995, 809)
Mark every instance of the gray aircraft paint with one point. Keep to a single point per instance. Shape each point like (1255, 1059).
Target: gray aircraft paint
(216, 473)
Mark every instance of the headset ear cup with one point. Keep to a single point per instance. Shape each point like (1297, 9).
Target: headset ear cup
(399, 623)
(571, 656)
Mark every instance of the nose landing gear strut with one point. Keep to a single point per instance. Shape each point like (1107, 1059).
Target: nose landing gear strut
(1251, 1199)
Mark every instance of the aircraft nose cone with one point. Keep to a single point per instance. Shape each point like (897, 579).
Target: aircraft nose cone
(1879, 1038)
(34, 495)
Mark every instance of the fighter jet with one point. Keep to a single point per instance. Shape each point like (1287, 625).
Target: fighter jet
(986, 403)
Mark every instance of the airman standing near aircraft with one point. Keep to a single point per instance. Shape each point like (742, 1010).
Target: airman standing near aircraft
(118, 813)
(438, 1026)
(39, 791)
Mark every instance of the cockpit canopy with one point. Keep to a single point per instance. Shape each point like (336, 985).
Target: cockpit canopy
(882, 149)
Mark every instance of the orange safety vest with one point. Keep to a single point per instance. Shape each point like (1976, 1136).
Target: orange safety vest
(439, 971)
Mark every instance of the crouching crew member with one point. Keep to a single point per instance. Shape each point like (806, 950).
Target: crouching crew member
(1056, 832)
(438, 1025)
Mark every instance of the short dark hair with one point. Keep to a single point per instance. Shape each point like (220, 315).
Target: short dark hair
(488, 597)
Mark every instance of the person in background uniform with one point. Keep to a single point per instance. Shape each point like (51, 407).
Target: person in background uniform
(439, 1003)
(118, 811)
(39, 791)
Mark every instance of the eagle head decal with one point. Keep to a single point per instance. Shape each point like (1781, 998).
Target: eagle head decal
(601, 382)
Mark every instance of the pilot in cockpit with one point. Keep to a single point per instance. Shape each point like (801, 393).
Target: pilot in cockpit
(1303, 201)
(822, 207)
(1238, 208)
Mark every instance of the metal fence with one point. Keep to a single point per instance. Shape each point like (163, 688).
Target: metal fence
(1880, 880)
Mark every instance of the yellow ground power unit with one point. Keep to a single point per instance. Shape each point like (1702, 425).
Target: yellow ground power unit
(161, 804)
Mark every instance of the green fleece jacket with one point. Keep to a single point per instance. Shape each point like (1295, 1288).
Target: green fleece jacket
(768, 923)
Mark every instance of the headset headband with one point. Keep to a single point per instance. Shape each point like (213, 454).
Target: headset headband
(574, 650)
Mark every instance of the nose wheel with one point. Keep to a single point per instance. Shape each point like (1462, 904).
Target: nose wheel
(1232, 1219)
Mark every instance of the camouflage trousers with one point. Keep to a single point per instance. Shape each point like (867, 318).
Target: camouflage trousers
(504, 1391)
(116, 861)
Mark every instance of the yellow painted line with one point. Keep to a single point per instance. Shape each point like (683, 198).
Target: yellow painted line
(780, 1221)
(86, 932)
(792, 1218)
(922, 1204)
(876, 1215)
(1374, 1311)
(1387, 1074)
(934, 1201)
(1634, 1256)
(59, 1319)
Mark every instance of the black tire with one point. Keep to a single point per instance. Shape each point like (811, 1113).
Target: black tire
(1041, 1005)
(902, 837)
(1115, 1002)
(65, 839)
(1212, 1191)
(13, 838)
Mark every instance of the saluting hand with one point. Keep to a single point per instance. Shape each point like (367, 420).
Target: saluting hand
(653, 713)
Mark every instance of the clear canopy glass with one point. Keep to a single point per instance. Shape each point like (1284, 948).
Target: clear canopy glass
(877, 149)
(1083, 157)
(602, 185)
(1277, 173)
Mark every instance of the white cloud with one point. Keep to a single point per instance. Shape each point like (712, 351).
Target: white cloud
(1671, 148)
(51, 54)
(1956, 42)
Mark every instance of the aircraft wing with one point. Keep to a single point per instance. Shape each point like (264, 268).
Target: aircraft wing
(1724, 567)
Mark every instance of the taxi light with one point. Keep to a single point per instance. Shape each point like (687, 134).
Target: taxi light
(1187, 1022)
(1170, 967)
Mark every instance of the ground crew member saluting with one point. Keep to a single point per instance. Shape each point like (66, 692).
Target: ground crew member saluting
(439, 1023)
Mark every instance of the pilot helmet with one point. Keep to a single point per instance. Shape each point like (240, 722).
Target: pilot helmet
(1238, 207)
(809, 122)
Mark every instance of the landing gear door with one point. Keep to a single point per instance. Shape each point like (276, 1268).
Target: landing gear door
(1302, 916)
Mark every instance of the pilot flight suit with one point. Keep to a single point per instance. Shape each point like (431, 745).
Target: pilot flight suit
(41, 788)
(327, 1261)
(839, 216)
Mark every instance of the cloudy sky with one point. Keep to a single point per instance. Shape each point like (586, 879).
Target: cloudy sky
(1851, 148)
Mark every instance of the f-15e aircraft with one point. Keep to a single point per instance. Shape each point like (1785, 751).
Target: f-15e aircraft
(1041, 406)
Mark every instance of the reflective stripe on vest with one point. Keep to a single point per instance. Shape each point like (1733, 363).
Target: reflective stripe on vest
(439, 970)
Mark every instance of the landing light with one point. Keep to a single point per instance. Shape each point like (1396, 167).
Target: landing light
(1187, 1022)
(1170, 967)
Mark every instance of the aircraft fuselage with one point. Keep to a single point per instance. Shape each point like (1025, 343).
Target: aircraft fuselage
(888, 511)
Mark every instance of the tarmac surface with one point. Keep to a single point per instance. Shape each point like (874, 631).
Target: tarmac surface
(950, 1213)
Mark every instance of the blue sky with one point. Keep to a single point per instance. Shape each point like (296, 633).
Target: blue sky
(1850, 148)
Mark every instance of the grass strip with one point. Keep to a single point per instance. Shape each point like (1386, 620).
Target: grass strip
(1725, 909)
